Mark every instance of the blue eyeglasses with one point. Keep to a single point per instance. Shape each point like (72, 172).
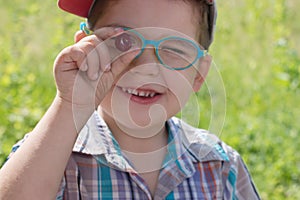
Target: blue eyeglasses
(174, 53)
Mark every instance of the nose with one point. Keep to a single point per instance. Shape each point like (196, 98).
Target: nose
(146, 63)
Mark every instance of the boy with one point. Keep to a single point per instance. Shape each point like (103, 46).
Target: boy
(138, 78)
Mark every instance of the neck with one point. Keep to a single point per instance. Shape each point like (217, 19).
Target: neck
(145, 153)
(138, 140)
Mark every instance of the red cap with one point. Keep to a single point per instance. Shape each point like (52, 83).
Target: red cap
(76, 7)
(82, 8)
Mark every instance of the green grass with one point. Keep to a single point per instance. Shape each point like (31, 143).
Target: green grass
(256, 50)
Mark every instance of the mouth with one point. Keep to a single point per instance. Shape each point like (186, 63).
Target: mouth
(142, 96)
(140, 93)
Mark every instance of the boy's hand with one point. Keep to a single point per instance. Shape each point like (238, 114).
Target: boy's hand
(84, 72)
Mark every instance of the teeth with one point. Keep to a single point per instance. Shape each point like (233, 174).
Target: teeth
(135, 92)
(141, 93)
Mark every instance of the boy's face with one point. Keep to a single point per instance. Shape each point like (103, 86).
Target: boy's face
(167, 90)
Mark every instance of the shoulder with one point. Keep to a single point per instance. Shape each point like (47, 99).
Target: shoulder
(208, 148)
(205, 145)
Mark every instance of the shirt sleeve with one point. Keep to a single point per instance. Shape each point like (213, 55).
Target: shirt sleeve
(61, 190)
(239, 184)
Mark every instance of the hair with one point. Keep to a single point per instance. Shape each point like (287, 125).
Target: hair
(201, 9)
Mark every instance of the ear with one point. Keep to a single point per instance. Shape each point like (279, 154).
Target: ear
(204, 65)
(79, 35)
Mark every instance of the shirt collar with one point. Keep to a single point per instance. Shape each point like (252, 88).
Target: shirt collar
(199, 143)
(96, 139)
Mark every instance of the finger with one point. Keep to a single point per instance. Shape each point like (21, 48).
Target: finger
(70, 55)
(102, 34)
(123, 62)
(82, 61)
(91, 38)
(105, 57)
(107, 32)
(98, 39)
(98, 56)
(93, 62)
(79, 35)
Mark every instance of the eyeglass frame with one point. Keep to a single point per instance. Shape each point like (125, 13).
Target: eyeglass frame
(156, 43)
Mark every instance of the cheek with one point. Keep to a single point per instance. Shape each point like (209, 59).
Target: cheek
(106, 103)
(180, 84)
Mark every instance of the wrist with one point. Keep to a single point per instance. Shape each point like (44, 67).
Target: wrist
(78, 113)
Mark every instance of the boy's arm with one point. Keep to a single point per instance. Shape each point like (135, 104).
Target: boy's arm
(36, 168)
(245, 188)
(239, 182)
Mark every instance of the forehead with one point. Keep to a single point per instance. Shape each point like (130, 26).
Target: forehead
(176, 15)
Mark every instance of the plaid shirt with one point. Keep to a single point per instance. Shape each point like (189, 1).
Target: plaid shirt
(197, 166)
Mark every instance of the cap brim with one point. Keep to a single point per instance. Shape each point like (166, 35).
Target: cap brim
(76, 7)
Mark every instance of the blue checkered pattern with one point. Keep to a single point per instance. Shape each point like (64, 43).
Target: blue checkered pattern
(197, 166)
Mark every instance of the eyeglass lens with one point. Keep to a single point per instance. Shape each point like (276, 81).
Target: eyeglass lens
(173, 52)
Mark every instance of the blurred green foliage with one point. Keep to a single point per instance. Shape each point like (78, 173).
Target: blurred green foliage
(257, 54)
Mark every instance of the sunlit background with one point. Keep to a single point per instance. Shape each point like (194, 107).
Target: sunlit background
(256, 50)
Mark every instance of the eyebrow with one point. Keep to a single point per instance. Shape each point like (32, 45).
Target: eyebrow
(116, 25)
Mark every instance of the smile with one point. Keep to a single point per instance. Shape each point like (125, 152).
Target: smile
(140, 93)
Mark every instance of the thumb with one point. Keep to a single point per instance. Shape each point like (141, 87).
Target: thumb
(79, 35)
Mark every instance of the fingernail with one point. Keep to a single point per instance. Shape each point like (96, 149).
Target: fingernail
(107, 68)
(119, 29)
(84, 68)
(95, 76)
